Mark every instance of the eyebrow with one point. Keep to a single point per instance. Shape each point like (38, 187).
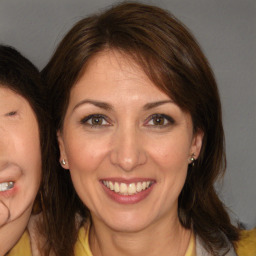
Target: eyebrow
(107, 106)
(151, 105)
(96, 103)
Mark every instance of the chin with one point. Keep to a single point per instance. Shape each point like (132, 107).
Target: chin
(128, 222)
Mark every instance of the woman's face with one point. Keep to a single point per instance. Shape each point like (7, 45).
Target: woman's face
(127, 145)
(20, 165)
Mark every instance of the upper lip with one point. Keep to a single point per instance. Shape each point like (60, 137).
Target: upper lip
(127, 181)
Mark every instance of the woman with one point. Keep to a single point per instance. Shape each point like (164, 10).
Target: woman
(23, 146)
(138, 118)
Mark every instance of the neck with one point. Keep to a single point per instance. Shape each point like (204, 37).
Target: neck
(158, 239)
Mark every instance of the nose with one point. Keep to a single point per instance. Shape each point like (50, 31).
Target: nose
(127, 149)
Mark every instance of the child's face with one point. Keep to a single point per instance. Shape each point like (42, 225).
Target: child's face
(20, 165)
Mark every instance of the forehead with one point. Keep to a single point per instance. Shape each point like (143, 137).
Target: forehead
(114, 63)
(116, 71)
(11, 99)
(7, 91)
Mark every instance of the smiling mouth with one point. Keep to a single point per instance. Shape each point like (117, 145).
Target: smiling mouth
(127, 189)
(6, 186)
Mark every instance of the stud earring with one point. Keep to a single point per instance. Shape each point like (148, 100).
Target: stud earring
(192, 159)
(63, 162)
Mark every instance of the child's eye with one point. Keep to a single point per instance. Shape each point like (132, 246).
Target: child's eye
(95, 120)
(159, 120)
(12, 113)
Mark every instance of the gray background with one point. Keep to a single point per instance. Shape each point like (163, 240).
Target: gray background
(226, 30)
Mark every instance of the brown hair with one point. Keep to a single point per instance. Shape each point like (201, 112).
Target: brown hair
(172, 59)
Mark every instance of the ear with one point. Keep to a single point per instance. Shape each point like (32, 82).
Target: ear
(63, 155)
(197, 143)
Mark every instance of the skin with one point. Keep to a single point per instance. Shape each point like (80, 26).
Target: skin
(128, 144)
(20, 162)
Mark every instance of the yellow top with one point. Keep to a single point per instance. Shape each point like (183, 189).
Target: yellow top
(247, 245)
(22, 247)
(82, 245)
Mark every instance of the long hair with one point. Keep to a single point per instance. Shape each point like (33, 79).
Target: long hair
(173, 60)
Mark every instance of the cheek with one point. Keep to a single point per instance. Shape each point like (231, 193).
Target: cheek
(171, 158)
(31, 159)
(26, 147)
(28, 157)
(172, 152)
(84, 153)
(32, 153)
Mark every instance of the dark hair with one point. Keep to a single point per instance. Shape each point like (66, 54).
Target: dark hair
(21, 76)
(172, 59)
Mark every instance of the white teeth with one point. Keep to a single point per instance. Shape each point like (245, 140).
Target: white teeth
(123, 189)
(116, 187)
(127, 189)
(111, 186)
(131, 189)
(6, 185)
(139, 187)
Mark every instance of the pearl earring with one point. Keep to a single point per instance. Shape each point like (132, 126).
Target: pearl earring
(192, 159)
(63, 162)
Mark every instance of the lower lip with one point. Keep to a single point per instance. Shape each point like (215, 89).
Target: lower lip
(128, 199)
(9, 193)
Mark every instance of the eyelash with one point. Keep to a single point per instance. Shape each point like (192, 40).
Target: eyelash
(104, 121)
(12, 113)
(166, 119)
(85, 120)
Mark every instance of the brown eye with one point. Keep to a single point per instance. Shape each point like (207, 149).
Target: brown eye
(158, 120)
(96, 120)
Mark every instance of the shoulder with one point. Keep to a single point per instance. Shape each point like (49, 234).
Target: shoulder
(22, 247)
(247, 244)
(201, 251)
